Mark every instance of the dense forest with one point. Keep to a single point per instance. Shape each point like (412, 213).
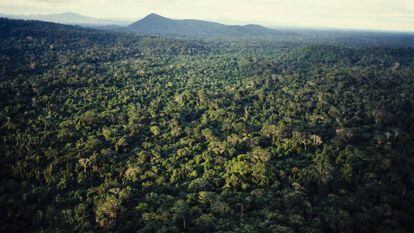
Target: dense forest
(115, 132)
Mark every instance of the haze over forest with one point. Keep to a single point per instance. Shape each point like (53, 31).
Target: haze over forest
(396, 15)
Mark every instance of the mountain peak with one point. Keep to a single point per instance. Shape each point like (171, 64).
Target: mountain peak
(154, 24)
(154, 16)
(150, 22)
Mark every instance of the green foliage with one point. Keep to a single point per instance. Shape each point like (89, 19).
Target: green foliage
(111, 132)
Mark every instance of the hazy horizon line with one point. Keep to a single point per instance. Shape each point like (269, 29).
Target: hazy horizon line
(221, 20)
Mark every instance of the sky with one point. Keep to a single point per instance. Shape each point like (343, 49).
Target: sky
(390, 15)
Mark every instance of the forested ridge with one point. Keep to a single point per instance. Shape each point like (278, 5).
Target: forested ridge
(154, 24)
(114, 132)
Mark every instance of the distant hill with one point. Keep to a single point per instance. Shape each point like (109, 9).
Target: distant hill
(70, 18)
(154, 24)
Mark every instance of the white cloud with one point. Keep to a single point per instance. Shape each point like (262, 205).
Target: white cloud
(372, 14)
